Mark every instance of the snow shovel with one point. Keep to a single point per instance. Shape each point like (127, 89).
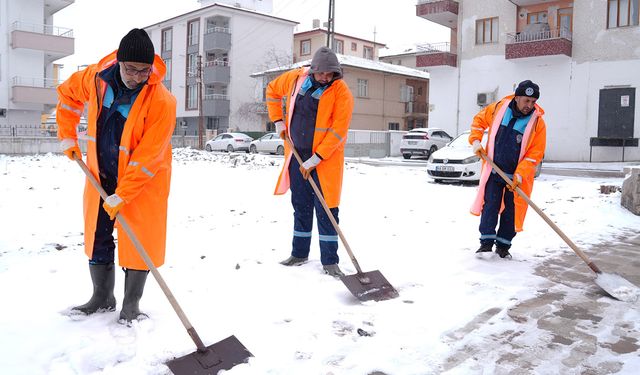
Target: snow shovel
(365, 286)
(614, 284)
(210, 359)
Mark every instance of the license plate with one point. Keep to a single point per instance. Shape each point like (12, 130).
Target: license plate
(413, 142)
(444, 168)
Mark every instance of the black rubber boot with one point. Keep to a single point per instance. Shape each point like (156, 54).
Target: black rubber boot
(485, 247)
(294, 261)
(134, 281)
(103, 277)
(503, 252)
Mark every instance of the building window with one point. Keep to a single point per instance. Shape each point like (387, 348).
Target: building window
(193, 33)
(367, 53)
(537, 17)
(354, 46)
(213, 123)
(394, 126)
(622, 13)
(339, 47)
(192, 97)
(167, 75)
(192, 65)
(565, 19)
(167, 39)
(487, 30)
(305, 47)
(363, 88)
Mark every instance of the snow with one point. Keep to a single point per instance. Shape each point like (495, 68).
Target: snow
(228, 233)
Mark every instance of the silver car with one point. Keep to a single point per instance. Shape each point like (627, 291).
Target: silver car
(270, 143)
(229, 142)
(423, 141)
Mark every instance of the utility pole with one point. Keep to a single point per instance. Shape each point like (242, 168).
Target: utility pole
(331, 24)
(200, 114)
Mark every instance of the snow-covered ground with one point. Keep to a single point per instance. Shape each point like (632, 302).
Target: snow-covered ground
(228, 233)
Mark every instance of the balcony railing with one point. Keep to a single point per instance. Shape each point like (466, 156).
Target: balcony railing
(415, 108)
(42, 29)
(217, 29)
(523, 37)
(435, 54)
(46, 83)
(216, 63)
(434, 47)
(216, 97)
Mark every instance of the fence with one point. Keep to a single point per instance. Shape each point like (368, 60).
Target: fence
(523, 37)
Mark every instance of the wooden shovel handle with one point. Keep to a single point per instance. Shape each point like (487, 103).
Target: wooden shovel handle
(143, 253)
(553, 226)
(326, 207)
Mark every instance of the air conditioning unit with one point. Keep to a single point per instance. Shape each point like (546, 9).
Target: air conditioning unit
(484, 98)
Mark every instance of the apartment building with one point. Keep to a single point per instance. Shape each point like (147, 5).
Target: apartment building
(29, 45)
(307, 42)
(583, 54)
(220, 46)
(386, 96)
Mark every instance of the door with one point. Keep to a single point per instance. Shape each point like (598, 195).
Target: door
(565, 22)
(616, 112)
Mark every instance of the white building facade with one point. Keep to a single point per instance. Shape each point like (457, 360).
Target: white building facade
(29, 45)
(222, 44)
(585, 56)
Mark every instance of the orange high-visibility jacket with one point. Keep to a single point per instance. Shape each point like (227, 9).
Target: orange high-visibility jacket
(332, 125)
(144, 161)
(532, 149)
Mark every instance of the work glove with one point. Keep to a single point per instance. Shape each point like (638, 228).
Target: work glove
(70, 147)
(112, 205)
(309, 165)
(280, 128)
(477, 148)
(516, 181)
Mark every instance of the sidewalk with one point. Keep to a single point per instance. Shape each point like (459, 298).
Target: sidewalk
(596, 169)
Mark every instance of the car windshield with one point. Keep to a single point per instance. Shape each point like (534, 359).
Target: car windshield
(462, 141)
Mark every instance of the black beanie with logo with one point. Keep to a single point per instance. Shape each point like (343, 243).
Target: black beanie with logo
(136, 46)
(528, 88)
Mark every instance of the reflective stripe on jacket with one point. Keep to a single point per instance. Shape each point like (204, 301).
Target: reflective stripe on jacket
(144, 161)
(332, 125)
(531, 152)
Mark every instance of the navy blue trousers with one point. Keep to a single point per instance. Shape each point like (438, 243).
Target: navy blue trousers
(104, 244)
(494, 194)
(304, 200)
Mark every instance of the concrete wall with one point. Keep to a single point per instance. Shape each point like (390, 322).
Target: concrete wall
(43, 145)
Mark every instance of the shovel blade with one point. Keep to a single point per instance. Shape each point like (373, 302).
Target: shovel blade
(618, 287)
(222, 355)
(370, 286)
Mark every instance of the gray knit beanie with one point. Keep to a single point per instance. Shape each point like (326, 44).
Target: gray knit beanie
(324, 60)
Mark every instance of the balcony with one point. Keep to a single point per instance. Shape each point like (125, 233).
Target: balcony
(216, 105)
(443, 12)
(437, 54)
(58, 42)
(415, 109)
(217, 38)
(542, 43)
(217, 71)
(34, 90)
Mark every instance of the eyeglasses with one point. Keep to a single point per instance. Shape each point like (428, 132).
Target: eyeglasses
(135, 72)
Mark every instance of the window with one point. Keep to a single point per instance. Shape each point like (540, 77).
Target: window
(305, 47)
(192, 65)
(363, 88)
(394, 126)
(487, 30)
(367, 52)
(537, 17)
(192, 97)
(339, 47)
(622, 13)
(354, 46)
(167, 75)
(565, 19)
(213, 122)
(167, 39)
(193, 31)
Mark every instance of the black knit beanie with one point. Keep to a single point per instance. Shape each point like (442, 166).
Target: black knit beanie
(528, 88)
(136, 46)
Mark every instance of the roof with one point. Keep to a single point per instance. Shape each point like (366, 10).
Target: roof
(358, 63)
(324, 31)
(224, 6)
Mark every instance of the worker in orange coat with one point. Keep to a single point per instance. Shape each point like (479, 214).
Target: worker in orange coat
(517, 136)
(313, 106)
(131, 117)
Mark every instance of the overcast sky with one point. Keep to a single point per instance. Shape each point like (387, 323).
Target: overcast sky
(98, 29)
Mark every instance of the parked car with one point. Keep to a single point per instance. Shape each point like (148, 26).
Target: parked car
(456, 161)
(229, 142)
(270, 143)
(423, 141)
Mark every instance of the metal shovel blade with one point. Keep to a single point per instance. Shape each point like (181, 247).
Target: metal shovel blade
(370, 286)
(222, 355)
(618, 287)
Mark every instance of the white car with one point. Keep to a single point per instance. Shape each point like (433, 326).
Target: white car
(456, 161)
(423, 141)
(270, 143)
(229, 142)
